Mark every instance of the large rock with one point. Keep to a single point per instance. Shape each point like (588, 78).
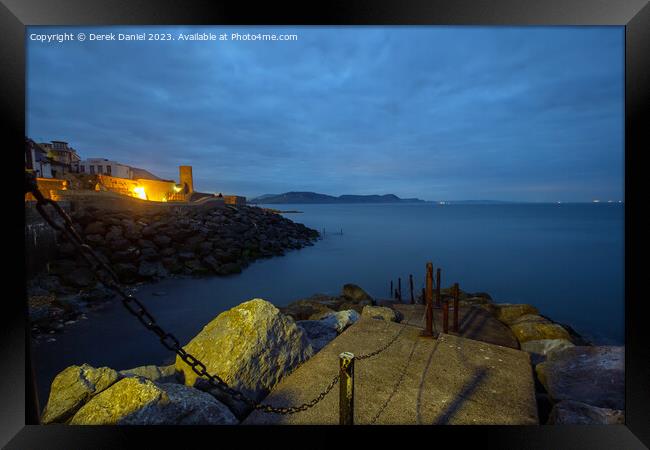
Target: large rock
(592, 375)
(139, 401)
(355, 306)
(545, 347)
(381, 313)
(532, 328)
(251, 347)
(507, 312)
(73, 387)
(320, 332)
(164, 374)
(569, 412)
(339, 320)
(80, 277)
(354, 293)
(306, 309)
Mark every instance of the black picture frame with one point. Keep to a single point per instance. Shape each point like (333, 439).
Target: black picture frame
(16, 411)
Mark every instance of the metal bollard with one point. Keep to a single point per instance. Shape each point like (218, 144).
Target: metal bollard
(411, 288)
(438, 287)
(428, 331)
(346, 393)
(445, 316)
(456, 306)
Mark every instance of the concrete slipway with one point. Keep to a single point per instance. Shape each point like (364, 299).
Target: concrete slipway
(417, 380)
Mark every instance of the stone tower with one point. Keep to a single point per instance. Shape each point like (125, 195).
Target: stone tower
(186, 178)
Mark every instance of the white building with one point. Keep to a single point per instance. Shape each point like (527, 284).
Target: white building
(104, 166)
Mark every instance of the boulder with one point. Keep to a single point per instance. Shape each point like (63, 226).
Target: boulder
(536, 329)
(139, 401)
(126, 272)
(162, 240)
(354, 293)
(356, 306)
(320, 332)
(150, 269)
(381, 313)
(80, 277)
(164, 374)
(507, 312)
(545, 347)
(305, 309)
(251, 347)
(339, 320)
(95, 228)
(569, 412)
(73, 387)
(592, 375)
(60, 266)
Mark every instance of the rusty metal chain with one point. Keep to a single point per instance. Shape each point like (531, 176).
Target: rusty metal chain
(384, 347)
(110, 279)
(396, 386)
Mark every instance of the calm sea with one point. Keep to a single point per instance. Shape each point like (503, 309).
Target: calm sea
(566, 259)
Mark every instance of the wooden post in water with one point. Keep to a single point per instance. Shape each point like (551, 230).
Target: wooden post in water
(428, 331)
(346, 392)
(399, 289)
(391, 289)
(411, 288)
(438, 287)
(456, 306)
(424, 296)
(445, 316)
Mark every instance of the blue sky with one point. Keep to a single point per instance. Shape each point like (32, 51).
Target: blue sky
(439, 113)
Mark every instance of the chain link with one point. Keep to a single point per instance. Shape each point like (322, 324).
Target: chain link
(109, 278)
(382, 348)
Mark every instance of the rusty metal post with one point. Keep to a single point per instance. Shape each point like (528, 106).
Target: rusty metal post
(411, 288)
(456, 306)
(399, 289)
(438, 287)
(428, 331)
(346, 393)
(445, 316)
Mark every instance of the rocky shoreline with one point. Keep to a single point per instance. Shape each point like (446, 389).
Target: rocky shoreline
(147, 247)
(254, 345)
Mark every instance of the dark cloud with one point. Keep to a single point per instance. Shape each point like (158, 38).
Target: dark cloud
(434, 112)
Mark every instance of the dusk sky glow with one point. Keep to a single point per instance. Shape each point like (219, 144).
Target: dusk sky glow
(438, 113)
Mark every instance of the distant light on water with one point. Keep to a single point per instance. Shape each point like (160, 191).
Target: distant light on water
(596, 201)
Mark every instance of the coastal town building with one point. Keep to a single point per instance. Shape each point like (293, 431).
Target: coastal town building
(58, 167)
(63, 158)
(101, 166)
(36, 159)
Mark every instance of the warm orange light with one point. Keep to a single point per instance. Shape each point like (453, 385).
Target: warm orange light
(139, 192)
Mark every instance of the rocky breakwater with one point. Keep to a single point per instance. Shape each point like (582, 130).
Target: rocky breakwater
(577, 382)
(150, 246)
(251, 347)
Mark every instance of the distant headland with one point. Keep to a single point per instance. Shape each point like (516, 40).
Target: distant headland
(313, 197)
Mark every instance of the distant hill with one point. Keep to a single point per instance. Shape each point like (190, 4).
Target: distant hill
(313, 197)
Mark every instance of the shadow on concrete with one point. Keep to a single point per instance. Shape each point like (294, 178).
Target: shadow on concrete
(422, 380)
(468, 389)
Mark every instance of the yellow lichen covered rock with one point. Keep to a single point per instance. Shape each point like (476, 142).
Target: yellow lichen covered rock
(139, 401)
(73, 387)
(251, 347)
(534, 330)
(507, 313)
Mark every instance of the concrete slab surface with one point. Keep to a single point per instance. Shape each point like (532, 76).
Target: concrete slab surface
(449, 380)
(474, 322)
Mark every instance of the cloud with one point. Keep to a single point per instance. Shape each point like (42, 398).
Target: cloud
(432, 112)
